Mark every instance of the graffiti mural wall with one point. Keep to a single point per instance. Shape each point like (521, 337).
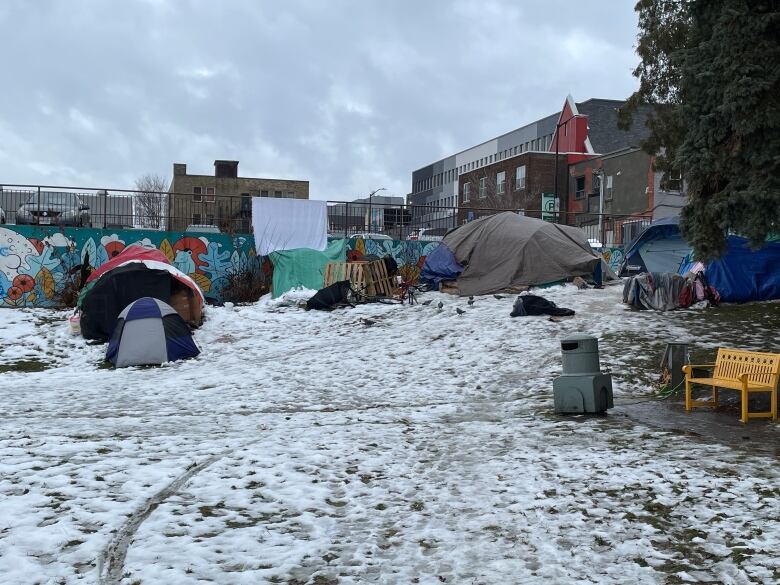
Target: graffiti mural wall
(410, 255)
(37, 263)
(614, 257)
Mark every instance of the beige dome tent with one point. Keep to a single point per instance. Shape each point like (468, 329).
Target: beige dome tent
(507, 250)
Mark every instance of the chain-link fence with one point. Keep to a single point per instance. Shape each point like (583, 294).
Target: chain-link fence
(201, 212)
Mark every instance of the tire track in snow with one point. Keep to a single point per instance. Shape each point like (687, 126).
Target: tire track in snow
(111, 561)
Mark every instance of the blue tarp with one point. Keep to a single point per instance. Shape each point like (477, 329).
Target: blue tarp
(743, 275)
(440, 265)
(740, 275)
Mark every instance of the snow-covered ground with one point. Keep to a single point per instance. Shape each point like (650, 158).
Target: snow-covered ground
(381, 444)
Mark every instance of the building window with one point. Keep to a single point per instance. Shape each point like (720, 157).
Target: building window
(579, 187)
(278, 194)
(197, 193)
(210, 219)
(520, 177)
(196, 218)
(482, 187)
(210, 196)
(608, 189)
(264, 193)
(672, 180)
(466, 192)
(291, 194)
(500, 181)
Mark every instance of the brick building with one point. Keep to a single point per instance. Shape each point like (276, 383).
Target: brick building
(578, 131)
(634, 193)
(515, 183)
(223, 199)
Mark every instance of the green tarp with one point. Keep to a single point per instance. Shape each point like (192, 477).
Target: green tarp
(304, 268)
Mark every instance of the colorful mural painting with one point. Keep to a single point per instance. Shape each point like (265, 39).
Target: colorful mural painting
(613, 256)
(410, 255)
(37, 263)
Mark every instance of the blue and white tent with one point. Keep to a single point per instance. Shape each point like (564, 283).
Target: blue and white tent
(740, 275)
(659, 248)
(150, 332)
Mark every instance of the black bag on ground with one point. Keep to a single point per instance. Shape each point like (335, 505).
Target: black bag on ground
(390, 265)
(330, 297)
(534, 305)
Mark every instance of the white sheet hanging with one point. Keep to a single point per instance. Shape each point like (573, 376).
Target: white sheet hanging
(287, 224)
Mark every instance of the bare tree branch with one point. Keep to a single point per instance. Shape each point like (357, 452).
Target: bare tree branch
(150, 201)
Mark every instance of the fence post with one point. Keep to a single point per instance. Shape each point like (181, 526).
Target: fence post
(39, 205)
(105, 208)
(346, 219)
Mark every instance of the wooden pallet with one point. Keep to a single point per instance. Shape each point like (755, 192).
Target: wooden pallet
(355, 272)
(384, 284)
(367, 278)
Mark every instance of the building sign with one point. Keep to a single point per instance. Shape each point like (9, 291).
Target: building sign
(550, 207)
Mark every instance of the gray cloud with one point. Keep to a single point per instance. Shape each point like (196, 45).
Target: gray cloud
(349, 95)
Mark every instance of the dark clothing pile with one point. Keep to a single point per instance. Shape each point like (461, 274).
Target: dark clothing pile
(535, 305)
(336, 295)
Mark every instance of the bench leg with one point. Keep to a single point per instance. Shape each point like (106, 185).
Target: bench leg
(744, 418)
(715, 396)
(687, 395)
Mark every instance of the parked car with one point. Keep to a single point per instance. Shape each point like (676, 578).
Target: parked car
(2, 216)
(368, 236)
(54, 209)
(428, 234)
(202, 228)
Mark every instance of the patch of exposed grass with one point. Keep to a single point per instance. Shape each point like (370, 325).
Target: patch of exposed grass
(25, 366)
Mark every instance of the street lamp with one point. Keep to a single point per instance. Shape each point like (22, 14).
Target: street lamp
(370, 196)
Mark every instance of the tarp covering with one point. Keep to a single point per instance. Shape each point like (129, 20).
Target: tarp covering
(152, 259)
(149, 332)
(289, 224)
(743, 275)
(507, 249)
(740, 275)
(304, 268)
(440, 264)
(134, 273)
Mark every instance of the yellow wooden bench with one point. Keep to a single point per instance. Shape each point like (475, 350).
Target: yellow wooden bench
(744, 371)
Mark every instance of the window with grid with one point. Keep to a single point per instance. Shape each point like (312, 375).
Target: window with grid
(197, 193)
(291, 194)
(466, 192)
(608, 188)
(520, 177)
(210, 219)
(210, 195)
(482, 187)
(672, 180)
(500, 182)
(196, 218)
(579, 187)
(278, 194)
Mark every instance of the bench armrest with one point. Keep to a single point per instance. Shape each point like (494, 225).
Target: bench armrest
(688, 368)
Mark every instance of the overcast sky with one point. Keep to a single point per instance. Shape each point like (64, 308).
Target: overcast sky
(350, 95)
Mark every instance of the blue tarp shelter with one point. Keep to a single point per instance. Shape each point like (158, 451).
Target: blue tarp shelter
(740, 275)
(440, 264)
